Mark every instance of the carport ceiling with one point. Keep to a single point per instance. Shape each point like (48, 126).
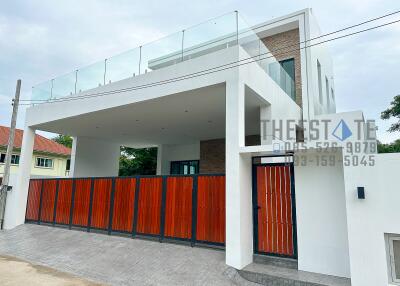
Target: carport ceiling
(181, 118)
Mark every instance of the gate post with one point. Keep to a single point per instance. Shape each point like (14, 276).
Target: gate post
(162, 212)
(239, 223)
(194, 209)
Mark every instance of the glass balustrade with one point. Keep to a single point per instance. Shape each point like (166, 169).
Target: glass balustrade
(205, 38)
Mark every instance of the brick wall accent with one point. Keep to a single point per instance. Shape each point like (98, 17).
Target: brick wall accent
(285, 46)
(212, 154)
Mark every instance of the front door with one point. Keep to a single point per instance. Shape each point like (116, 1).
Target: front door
(274, 209)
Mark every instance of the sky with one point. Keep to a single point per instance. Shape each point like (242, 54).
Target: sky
(40, 40)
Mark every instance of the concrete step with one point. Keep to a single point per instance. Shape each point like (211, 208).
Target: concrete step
(273, 275)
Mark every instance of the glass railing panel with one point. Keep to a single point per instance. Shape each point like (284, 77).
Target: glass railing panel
(161, 53)
(90, 77)
(64, 85)
(257, 50)
(210, 36)
(249, 40)
(123, 66)
(41, 92)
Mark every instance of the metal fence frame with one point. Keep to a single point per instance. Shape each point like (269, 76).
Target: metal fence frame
(110, 231)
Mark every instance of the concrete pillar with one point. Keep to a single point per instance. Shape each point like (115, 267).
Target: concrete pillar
(159, 160)
(16, 199)
(239, 224)
(93, 157)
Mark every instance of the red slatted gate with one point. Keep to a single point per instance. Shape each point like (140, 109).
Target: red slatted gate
(190, 208)
(274, 204)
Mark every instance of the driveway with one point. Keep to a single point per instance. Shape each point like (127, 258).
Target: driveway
(115, 260)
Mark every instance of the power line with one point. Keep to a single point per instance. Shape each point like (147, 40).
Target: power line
(229, 65)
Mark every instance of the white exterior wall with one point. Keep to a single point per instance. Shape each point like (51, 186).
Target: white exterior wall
(321, 217)
(239, 221)
(320, 53)
(94, 158)
(168, 153)
(17, 198)
(370, 219)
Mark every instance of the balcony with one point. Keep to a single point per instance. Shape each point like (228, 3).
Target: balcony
(208, 37)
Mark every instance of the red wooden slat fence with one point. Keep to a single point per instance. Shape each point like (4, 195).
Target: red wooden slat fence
(64, 199)
(33, 203)
(48, 198)
(101, 203)
(149, 207)
(188, 208)
(211, 209)
(124, 202)
(80, 214)
(178, 207)
(275, 210)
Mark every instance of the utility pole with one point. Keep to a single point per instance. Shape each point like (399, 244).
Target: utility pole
(6, 177)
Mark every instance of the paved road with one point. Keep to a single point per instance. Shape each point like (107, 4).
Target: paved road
(115, 260)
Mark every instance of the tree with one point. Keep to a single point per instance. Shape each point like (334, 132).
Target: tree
(393, 111)
(63, 140)
(393, 147)
(137, 161)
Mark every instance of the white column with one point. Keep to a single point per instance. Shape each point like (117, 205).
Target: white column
(93, 157)
(239, 224)
(16, 199)
(159, 160)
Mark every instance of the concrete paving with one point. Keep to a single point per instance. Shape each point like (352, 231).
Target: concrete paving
(16, 272)
(115, 260)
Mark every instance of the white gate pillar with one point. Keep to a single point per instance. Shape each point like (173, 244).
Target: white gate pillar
(16, 199)
(239, 224)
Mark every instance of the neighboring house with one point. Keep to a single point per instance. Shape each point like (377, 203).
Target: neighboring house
(223, 99)
(50, 159)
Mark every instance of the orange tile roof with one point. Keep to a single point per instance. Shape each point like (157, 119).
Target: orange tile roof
(42, 144)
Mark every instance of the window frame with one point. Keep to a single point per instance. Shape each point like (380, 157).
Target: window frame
(13, 155)
(391, 260)
(182, 162)
(292, 59)
(319, 71)
(44, 167)
(328, 99)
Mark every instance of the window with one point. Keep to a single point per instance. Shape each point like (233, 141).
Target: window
(319, 82)
(288, 79)
(327, 90)
(394, 258)
(14, 159)
(44, 162)
(184, 167)
(68, 164)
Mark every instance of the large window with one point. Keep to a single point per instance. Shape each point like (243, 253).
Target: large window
(289, 82)
(394, 258)
(184, 167)
(319, 82)
(44, 162)
(14, 159)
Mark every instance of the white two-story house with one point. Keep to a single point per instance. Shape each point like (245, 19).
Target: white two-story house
(228, 99)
